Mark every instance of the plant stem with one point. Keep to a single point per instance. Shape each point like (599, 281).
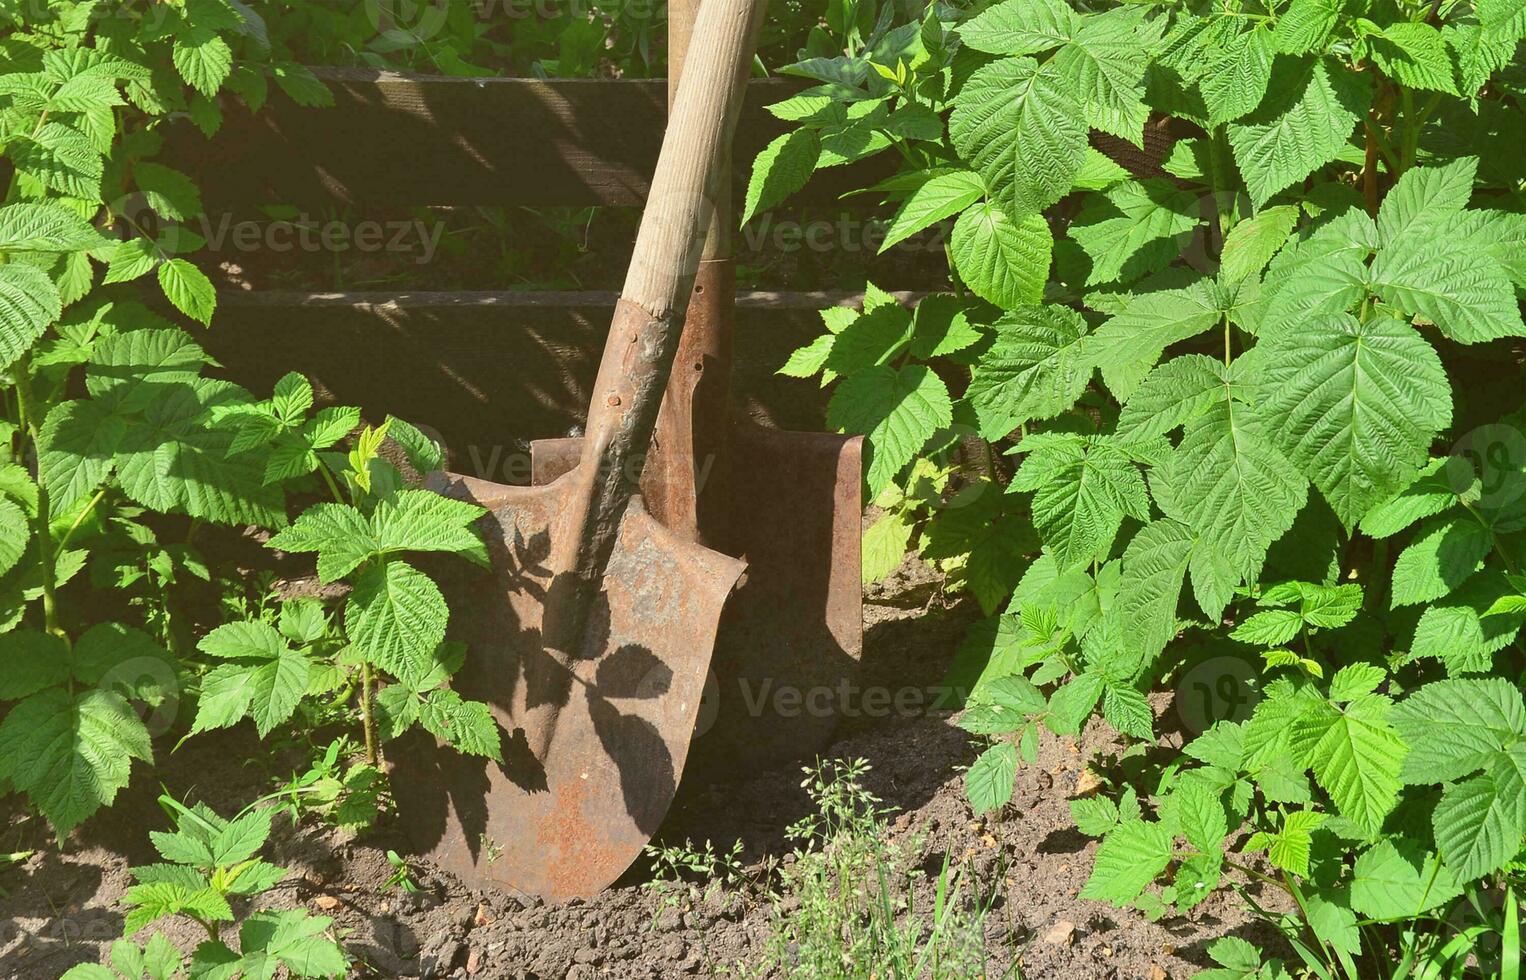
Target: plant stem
(45, 553)
(89, 508)
(366, 721)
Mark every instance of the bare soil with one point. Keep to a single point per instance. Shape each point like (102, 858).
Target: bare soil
(60, 907)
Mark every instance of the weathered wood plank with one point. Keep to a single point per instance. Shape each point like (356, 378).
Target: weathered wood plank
(400, 140)
(490, 371)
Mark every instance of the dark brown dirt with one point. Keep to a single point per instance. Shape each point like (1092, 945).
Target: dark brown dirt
(60, 907)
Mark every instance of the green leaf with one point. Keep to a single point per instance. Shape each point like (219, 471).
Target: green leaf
(1229, 484)
(301, 85)
(1456, 727)
(71, 753)
(62, 158)
(941, 326)
(1326, 273)
(421, 520)
(1003, 261)
(1480, 821)
(1020, 27)
(1432, 491)
(1354, 405)
(1129, 343)
(1308, 114)
(884, 546)
(396, 618)
(1237, 81)
(338, 532)
(1356, 755)
(1306, 26)
(1154, 565)
(189, 289)
(1036, 369)
(897, 410)
(1127, 710)
(130, 370)
(203, 59)
(989, 781)
(1105, 65)
(781, 168)
(468, 726)
(262, 678)
(1082, 488)
(129, 259)
(940, 196)
(1415, 56)
(1397, 880)
(15, 532)
(169, 192)
(170, 459)
(46, 227)
(33, 660)
(269, 941)
(1252, 243)
(1172, 394)
(1018, 124)
(1139, 228)
(28, 303)
(1269, 628)
(1469, 296)
(1442, 556)
(1129, 859)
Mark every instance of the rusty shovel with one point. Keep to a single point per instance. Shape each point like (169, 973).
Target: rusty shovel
(787, 503)
(592, 638)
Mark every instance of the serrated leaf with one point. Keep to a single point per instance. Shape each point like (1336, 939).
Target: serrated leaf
(169, 192)
(1003, 261)
(1082, 491)
(1105, 66)
(1309, 112)
(1137, 229)
(1252, 243)
(1269, 628)
(1469, 296)
(1035, 369)
(468, 726)
(29, 301)
(33, 660)
(1442, 556)
(1237, 81)
(1019, 27)
(1306, 25)
(897, 410)
(60, 157)
(1154, 565)
(1129, 859)
(988, 783)
(338, 532)
(1356, 755)
(1480, 821)
(941, 196)
(1126, 709)
(1456, 727)
(1397, 880)
(1129, 343)
(781, 168)
(262, 678)
(189, 289)
(1415, 56)
(203, 59)
(884, 546)
(421, 520)
(71, 753)
(396, 618)
(1354, 405)
(46, 227)
(1018, 124)
(1231, 486)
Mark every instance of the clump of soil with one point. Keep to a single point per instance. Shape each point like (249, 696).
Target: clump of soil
(61, 908)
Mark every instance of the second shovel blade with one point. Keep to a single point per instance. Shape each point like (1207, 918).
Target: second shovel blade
(788, 650)
(567, 824)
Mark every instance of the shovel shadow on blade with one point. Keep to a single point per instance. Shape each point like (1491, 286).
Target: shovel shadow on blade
(613, 721)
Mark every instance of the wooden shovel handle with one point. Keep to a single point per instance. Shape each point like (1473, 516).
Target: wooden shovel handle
(648, 321)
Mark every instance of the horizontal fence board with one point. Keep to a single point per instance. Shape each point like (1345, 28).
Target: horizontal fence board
(397, 140)
(491, 371)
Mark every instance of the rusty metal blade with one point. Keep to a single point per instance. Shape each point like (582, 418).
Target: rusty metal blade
(569, 824)
(791, 638)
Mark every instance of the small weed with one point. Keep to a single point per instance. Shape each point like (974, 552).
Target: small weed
(684, 875)
(849, 903)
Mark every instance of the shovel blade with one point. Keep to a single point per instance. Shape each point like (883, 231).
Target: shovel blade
(569, 823)
(788, 650)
